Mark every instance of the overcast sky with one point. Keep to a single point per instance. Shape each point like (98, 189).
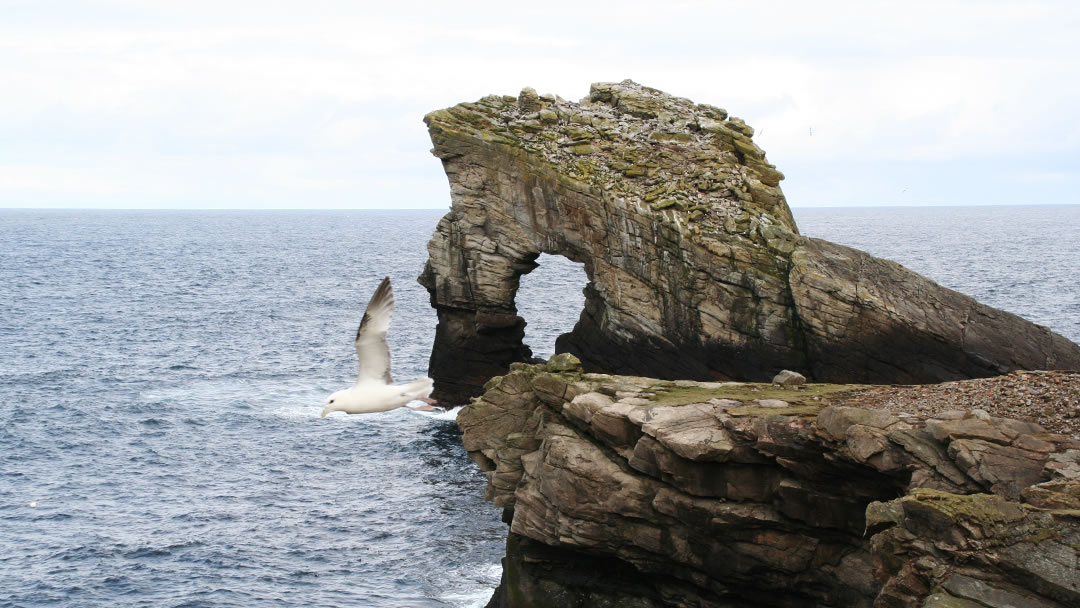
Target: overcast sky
(267, 104)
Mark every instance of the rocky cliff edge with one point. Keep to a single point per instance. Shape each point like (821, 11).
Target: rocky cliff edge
(630, 491)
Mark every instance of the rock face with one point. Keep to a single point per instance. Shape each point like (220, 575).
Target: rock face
(695, 265)
(628, 491)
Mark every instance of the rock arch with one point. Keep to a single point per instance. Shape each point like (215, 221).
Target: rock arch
(695, 266)
(551, 299)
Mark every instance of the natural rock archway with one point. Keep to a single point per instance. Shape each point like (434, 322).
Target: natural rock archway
(695, 265)
(551, 300)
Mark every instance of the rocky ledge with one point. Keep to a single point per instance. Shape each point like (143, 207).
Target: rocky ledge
(696, 268)
(630, 491)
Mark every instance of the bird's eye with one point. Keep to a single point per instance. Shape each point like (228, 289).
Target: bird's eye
(331, 401)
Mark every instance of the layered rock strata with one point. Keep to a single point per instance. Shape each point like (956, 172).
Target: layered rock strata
(696, 268)
(629, 491)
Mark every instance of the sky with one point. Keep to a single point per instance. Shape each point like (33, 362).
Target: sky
(319, 104)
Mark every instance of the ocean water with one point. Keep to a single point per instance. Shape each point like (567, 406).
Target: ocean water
(161, 379)
(162, 374)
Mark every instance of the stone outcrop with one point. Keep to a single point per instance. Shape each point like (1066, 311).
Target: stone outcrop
(629, 491)
(696, 268)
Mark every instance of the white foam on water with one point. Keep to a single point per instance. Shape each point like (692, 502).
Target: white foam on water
(308, 409)
(447, 415)
(483, 582)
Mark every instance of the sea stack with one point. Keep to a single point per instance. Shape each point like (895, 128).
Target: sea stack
(696, 268)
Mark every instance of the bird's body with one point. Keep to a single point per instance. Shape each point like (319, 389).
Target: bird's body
(373, 396)
(374, 390)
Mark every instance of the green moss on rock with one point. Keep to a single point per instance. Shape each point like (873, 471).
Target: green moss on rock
(944, 509)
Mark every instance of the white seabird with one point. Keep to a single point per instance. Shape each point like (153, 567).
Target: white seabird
(375, 390)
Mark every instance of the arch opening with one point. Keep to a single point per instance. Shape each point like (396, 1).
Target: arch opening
(551, 299)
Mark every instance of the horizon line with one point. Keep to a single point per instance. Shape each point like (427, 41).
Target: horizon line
(868, 206)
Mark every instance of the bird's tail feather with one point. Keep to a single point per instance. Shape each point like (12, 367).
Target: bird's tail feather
(418, 389)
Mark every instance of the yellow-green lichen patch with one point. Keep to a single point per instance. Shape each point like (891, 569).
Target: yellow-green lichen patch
(814, 396)
(983, 509)
(679, 137)
(1043, 534)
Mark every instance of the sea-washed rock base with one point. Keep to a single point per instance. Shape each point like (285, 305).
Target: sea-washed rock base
(628, 491)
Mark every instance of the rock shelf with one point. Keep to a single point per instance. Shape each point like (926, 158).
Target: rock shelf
(616, 497)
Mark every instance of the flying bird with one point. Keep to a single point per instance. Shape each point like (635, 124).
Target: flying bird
(375, 390)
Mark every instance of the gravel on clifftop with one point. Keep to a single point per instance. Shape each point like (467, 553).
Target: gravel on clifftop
(1050, 399)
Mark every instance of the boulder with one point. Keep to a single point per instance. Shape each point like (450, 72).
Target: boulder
(789, 378)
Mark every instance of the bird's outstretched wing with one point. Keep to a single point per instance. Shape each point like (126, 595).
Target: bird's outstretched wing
(371, 347)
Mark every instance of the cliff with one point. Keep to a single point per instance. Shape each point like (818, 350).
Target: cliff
(696, 268)
(630, 491)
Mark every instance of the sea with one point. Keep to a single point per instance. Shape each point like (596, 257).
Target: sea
(162, 375)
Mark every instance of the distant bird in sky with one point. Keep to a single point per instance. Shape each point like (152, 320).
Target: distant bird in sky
(374, 390)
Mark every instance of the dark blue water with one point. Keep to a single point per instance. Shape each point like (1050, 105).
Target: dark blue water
(162, 374)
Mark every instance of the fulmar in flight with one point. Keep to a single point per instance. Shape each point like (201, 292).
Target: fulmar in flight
(375, 390)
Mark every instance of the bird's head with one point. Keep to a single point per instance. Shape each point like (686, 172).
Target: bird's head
(333, 404)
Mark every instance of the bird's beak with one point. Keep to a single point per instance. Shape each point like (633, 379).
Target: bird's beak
(325, 411)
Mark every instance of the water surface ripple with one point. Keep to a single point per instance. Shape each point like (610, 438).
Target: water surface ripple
(162, 373)
(161, 381)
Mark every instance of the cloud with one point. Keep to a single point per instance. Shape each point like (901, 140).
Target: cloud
(1045, 176)
(330, 94)
(24, 181)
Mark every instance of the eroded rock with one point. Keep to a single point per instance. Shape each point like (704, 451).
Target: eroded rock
(700, 504)
(696, 268)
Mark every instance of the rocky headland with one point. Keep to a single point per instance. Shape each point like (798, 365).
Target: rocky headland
(696, 268)
(632, 472)
(631, 491)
